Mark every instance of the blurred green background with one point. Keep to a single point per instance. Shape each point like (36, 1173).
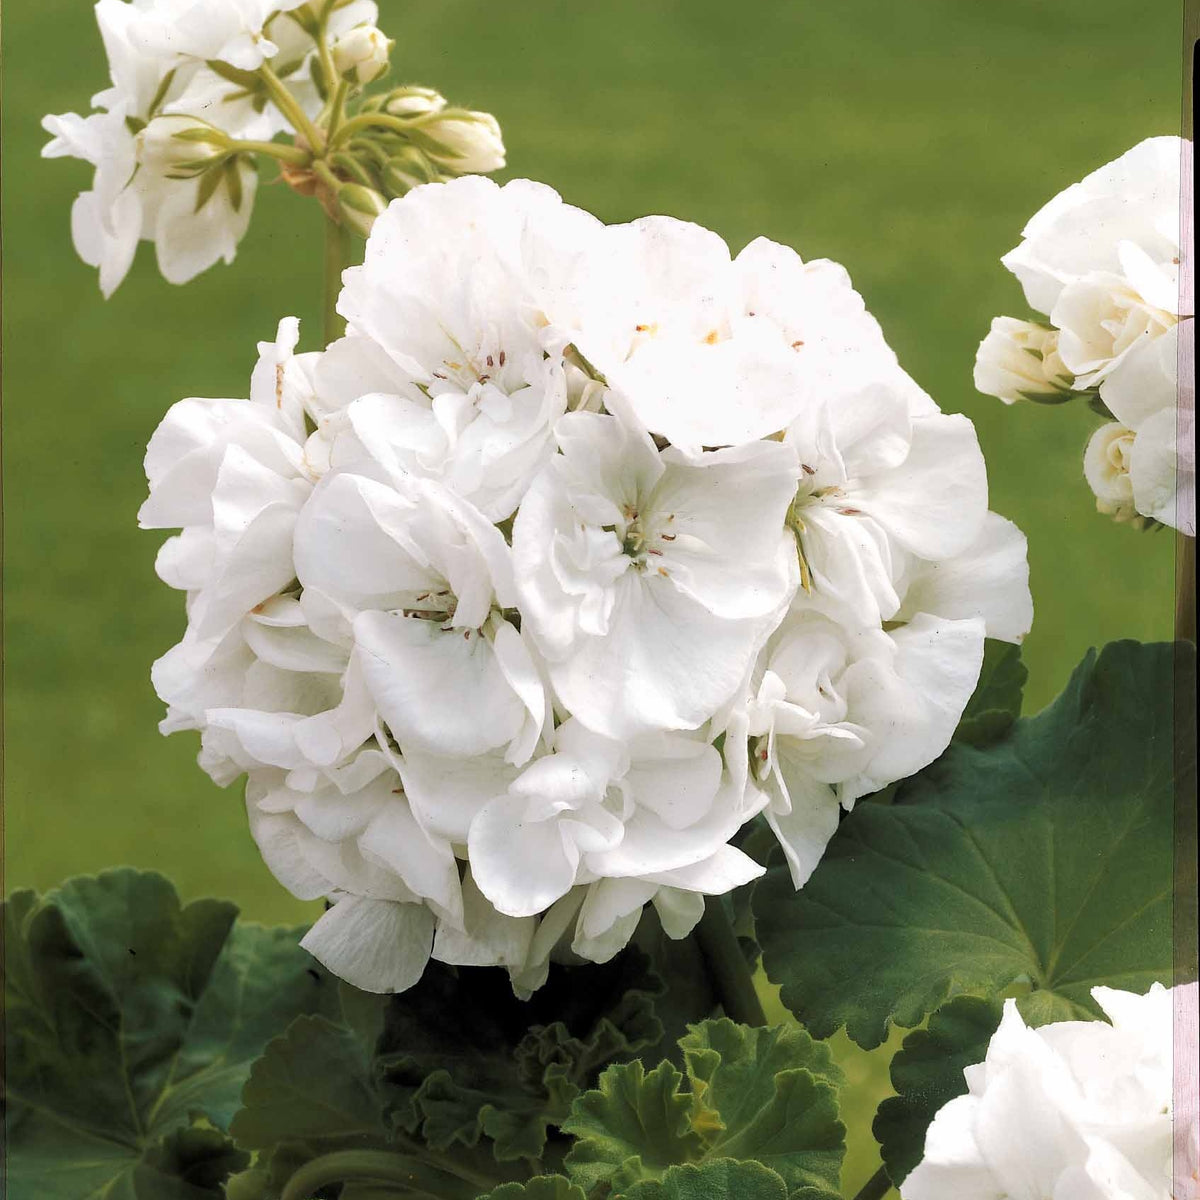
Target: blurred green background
(909, 141)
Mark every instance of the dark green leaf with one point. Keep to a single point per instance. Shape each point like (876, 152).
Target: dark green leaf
(127, 1015)
(1043, 862)
(927, 1073)
(761, 1094)
(313, 1082)
(996, 704)
(541, 1187)
(461, 1058)
(721, 1179)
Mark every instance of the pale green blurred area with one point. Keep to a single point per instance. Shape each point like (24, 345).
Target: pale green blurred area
(909, 141)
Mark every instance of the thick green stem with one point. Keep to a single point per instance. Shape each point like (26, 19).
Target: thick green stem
(377, 1166)
(876, 1187)
(727, 964)
(337, 259)
(1185, 587)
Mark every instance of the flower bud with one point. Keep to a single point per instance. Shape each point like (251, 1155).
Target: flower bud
(360, 55)
(1019, 360)
(1106, 468)
(180, 147)
(407, 168)
(462, 142)
(359, 206)
(413, 102)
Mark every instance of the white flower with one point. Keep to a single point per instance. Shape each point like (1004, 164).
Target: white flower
(199, 218)
(424, 581)
(463, 289)
(1019, 360)
(834, 714)
(231, 474)
(658, 810)
(1127, 209)
(361, 54)
(1076, 1108)
(709, 351)
(648, 579)
(1103, 260)
(1106, 468)
(1156, 467)
(882, 481)
(229, 31)
(496, 661)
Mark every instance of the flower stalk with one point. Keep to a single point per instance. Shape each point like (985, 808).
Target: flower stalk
(730, 972)
(876, 1187)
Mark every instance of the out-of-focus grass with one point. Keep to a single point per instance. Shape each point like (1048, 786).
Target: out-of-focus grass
(909, 141)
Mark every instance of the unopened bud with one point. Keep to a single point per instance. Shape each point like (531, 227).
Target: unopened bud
(1019, 360)
(413, 102)
(462, 142)
(406, 169)
(359, 206)
(181, 147)
(360, 55)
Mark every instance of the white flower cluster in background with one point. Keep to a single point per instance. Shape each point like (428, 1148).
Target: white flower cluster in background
(584, 547)
(1076, 1110)
(1102, 261)
(189, 60)
(200, 88)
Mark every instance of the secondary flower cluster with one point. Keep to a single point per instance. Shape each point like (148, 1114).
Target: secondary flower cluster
(1079, 1109)
(585, 546)
(1102, 259)
(199, 90)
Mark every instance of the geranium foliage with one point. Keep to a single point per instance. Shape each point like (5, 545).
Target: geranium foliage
(1043, 860)
(132, 1021)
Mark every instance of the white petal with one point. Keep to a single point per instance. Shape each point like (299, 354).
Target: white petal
(990, 579)
(521, 866)
(376, 945)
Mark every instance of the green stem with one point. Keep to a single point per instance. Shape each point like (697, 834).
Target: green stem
(290, 107)
(323, 51)
(376, 1166)
(337, 259)
(727, 964)
(1185, 587)
(367, 120)
(876, 1187)
(337, 109)
(288, 154)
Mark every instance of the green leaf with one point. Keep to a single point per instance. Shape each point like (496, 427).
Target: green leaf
(128, 1015)
(313, 1082)
(996, 703)
(764, 1094)
(780, 1087)
(541, 1187)
(461, 1058)
(721, 1179)
(634, 1126)
(927, 1073)
(1042, 862)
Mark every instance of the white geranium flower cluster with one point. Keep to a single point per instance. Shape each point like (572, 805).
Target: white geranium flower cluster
(1102, 260)
(200, 88)
(585, 546)
(1077, 1110)
(178, 66)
